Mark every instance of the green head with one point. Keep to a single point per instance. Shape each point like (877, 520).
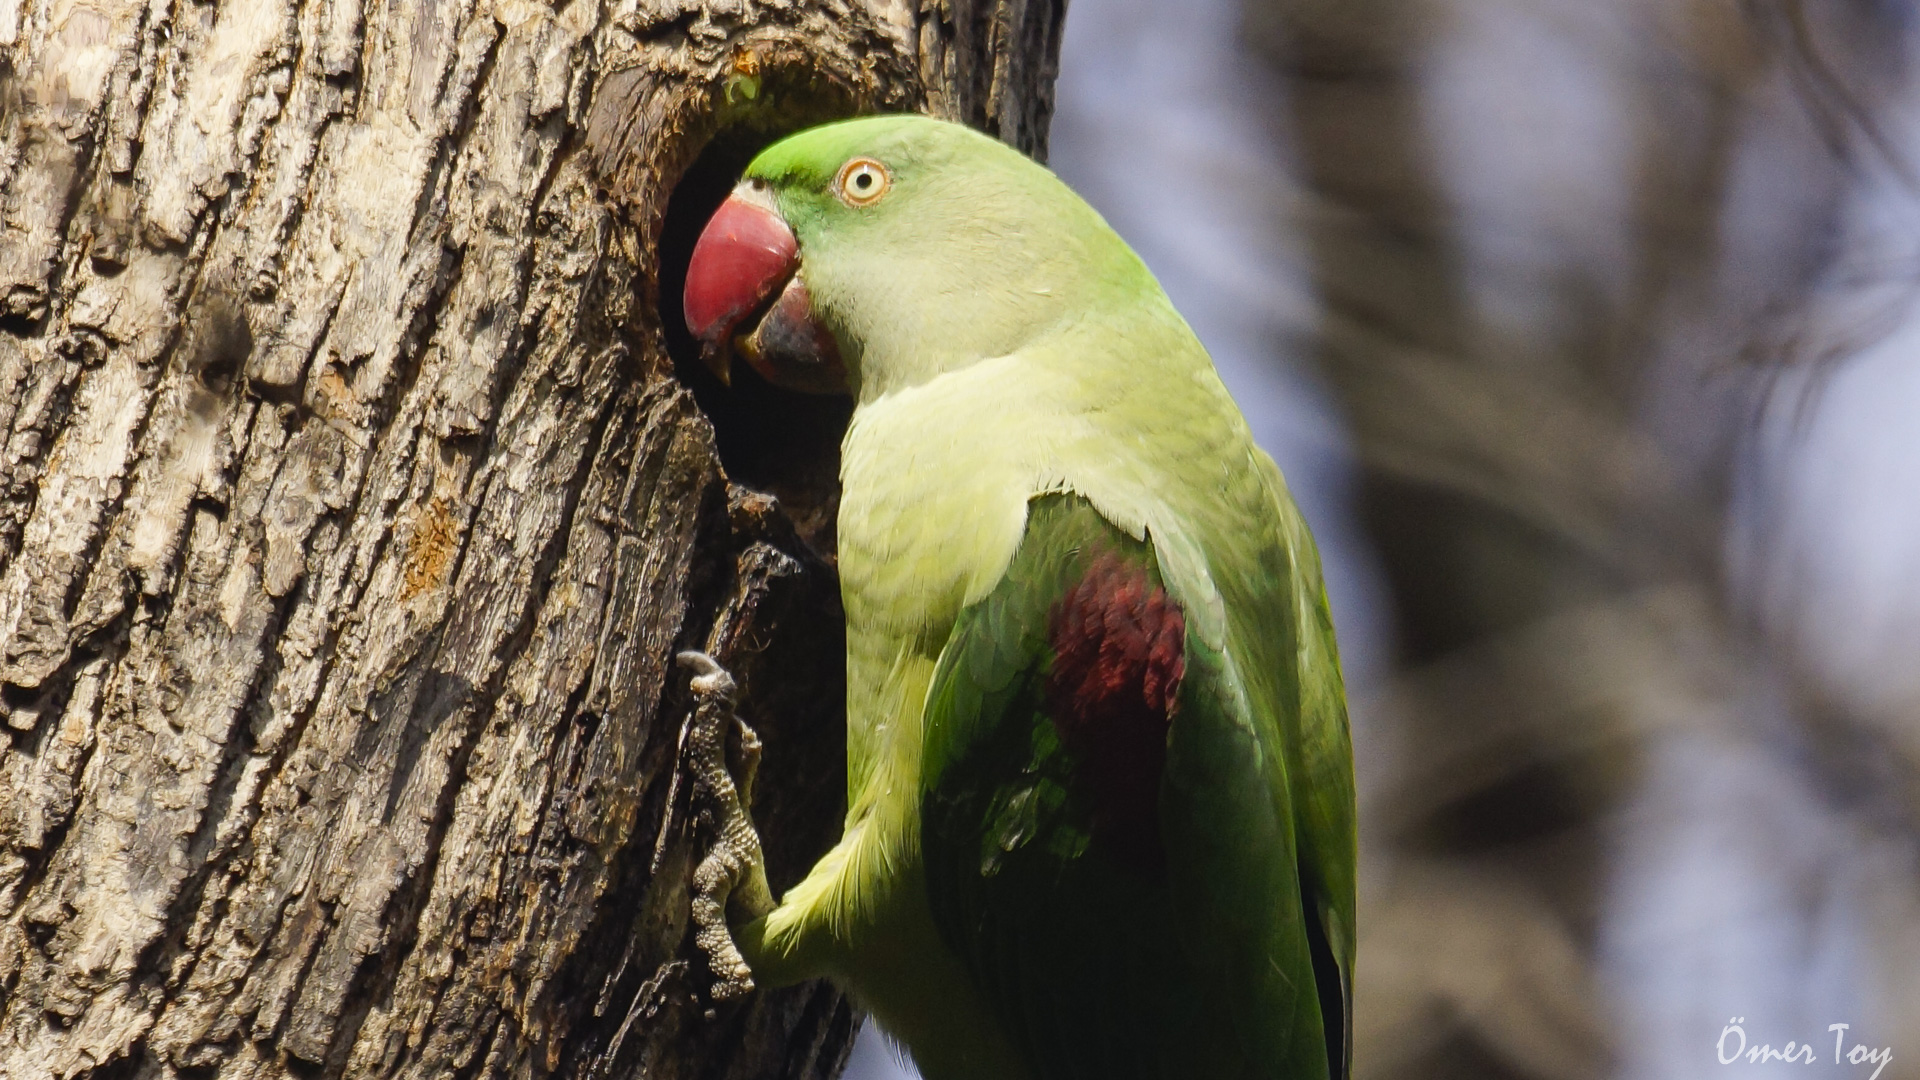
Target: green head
(903, 245)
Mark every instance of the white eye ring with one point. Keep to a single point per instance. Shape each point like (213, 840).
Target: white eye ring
(862, 181)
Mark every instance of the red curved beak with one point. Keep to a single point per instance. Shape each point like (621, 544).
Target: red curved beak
(740, 262)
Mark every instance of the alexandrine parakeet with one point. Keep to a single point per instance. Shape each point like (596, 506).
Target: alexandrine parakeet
(1100, 784)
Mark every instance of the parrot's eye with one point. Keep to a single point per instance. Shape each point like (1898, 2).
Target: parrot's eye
(862, 181)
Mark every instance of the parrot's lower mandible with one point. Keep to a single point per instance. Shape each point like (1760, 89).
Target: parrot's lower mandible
(1100, 783)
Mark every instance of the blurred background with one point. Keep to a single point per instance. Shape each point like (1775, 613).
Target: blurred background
(1588, 335)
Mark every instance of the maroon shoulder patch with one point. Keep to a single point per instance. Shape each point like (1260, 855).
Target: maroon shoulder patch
(1119, 646)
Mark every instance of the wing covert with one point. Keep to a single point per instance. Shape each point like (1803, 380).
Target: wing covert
(1105, 846)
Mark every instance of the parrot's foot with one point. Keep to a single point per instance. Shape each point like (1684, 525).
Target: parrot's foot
(733, 873)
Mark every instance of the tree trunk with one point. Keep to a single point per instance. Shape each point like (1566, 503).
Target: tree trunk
(355, 497)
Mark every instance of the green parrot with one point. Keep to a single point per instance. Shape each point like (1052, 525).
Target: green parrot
(1100, 782)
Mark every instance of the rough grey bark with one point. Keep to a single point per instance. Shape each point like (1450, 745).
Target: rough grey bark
(352, 508)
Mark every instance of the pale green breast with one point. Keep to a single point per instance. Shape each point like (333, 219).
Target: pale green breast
(936, 481)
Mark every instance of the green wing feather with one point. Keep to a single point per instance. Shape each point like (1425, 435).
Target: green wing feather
(1095, 969)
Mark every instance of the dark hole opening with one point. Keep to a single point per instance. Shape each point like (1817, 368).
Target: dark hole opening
(783, 443)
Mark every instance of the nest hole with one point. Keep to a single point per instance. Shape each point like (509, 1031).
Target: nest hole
(772, 440)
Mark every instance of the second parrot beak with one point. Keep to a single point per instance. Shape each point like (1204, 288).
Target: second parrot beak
(744, 293)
